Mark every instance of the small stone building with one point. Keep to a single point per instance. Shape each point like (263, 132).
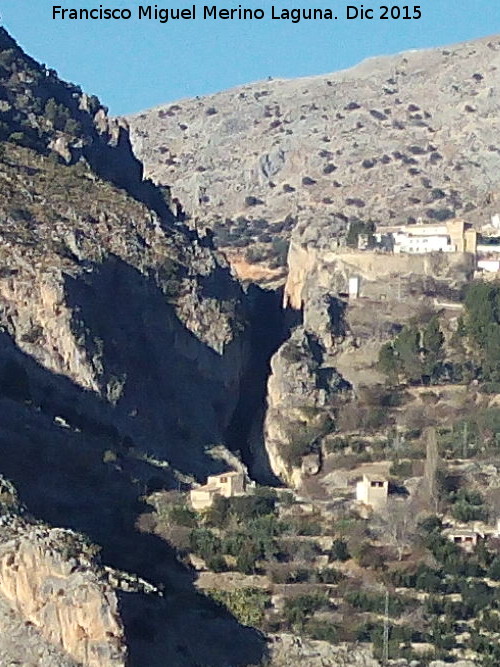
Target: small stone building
(463, 537)
(373, 490)
(227, 484)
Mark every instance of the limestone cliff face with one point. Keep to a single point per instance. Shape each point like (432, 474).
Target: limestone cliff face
(303, 389)
(105, 287)
(48, 580)
(334, 351)
(145, 316)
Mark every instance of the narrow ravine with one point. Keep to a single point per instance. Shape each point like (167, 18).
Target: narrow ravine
(269, 328)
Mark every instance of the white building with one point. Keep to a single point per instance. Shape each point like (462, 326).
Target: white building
(406, 242)
(451, 236)
(373, 490)
(353, 287)
(489, 265)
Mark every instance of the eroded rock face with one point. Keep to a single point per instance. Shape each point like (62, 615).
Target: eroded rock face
(49, 581)
(290, 650)
(334, 352)
(21, 643)
(303, 388)
(104, 286)
(105, 316)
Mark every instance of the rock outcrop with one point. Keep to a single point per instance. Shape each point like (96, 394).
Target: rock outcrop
(334, 352)
(22, 643)
(48, 580)
(303, 389)
(290, 650)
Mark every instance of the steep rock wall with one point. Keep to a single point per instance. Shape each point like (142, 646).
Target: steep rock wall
(48, 581)
(335, 350)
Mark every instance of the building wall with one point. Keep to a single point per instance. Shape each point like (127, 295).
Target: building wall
(422, 244)
(490, 265)
(201, 499)
(451, 236)
(229, 485)
(488, 249)
(237, 484)
(468, 543)
(376, 496)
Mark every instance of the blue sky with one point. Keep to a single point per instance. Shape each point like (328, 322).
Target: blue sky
(133, 65)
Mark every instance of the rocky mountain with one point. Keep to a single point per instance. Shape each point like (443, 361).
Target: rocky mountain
(122, 347)
(133, 363)
(395, 139)
(89, 277)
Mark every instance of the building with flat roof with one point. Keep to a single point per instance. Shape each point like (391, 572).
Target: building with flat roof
(373, 490)
(450, 236)
(466, 538)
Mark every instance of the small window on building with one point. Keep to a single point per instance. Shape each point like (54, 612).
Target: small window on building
(223, 480)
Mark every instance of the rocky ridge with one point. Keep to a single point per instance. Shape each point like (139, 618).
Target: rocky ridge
(122, 345)
(392, 140)
(113, 247)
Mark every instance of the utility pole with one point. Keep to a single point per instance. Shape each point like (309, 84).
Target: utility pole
(385, 650)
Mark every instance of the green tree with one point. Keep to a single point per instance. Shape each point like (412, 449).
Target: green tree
(481, 324)
(246, 604)
(407, 350)
(57, 114)
(340, 550)
(494, 570)
(388, 362)
(432, 343)
(357, 227)
(491, 363)
(430, 479)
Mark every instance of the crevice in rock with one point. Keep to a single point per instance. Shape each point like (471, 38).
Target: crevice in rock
(269, 327)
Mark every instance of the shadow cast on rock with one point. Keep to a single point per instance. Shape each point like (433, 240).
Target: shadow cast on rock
(75, 457)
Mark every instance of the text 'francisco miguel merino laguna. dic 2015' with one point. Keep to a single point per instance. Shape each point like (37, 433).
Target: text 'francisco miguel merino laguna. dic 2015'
(191, 13)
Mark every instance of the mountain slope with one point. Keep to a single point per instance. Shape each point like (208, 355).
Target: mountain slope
(394, 139)
(122, 345)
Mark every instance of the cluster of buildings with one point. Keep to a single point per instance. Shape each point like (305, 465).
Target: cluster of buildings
(452, 236)
(372, 491)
